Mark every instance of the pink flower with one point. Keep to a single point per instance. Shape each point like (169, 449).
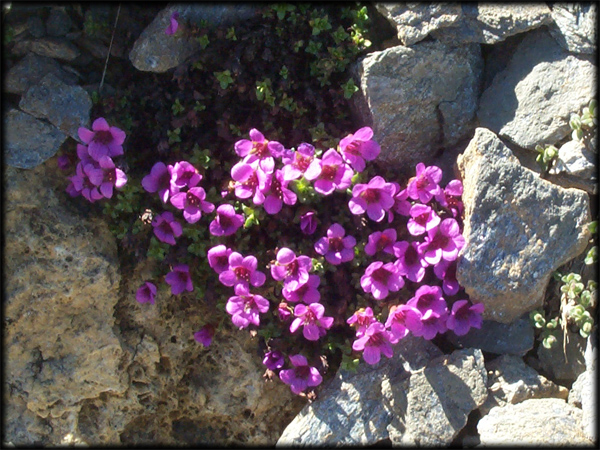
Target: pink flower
(248, 178)
(358, 147)
(159, 180)
(449, 198)
(81, 182)
(242, 271)
(299, 161)
(284, 311)
(179, 279)
(304, 292)
(184, 175)
(361, 319)
(301, 376)
(381, 241)
(308, 222)
(205, 335)
(443, 242)
(410, 260)
(379, 279)
(290, 269)
(425, 185)
(375, 341)
(428, 325)
(102, 140)
(396, 321)
(218, 258)
(273, 360)
(63, 162)
(333, 173)
(429, 297)
(423, 219)
(193, 204)
(464, 316)
(259, 149)
(146, 293)
(446, 271)
(166, 228)
(375, 198)
(401, 204)
(276, 193)
(108, 177)
(245, 307)
(335, 247)
(173, 24)
(311, 317)
(227, 221)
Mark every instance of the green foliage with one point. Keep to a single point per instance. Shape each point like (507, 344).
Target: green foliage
(177, 107)
(349, 88)
(264, 92)
(584, 123)
(157, 250)
(546, 157)
(231, 34)
(203, 40)
(224, 78)
(174, 136)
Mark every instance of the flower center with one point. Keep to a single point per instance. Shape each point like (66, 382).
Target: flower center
(383, 242)
(302, 371)
(371, 195)
(302, 290)
(111, 176)
(336, 244)
(411, 257)
(249, 303)
(224, 220)
(309, 317)
(421, 182)
(165, 227)
(353, 148)
(252, 181)
(276, 188)
(103, 137)
(381, 275)
(260, 149)
(292, 267)
(377, 339)
(328, 172)
(439, 241)
(242, 273)
(192, 199)
(302, 162)
(422, 219)
(425, 301)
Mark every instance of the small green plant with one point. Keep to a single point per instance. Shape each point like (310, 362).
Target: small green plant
(546, 157)
(549, 329)
(224, 78)
(231, 34)
(177, 107)
(349, 88)
(174, 136)
(584, 123)
(264, 92)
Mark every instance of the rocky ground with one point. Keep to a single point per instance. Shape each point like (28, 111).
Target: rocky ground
(470, 88)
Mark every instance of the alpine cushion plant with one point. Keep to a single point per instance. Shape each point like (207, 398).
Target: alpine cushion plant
(180, 280)
(245, 308)
(159, 180)
(166, 227)
(358, 147)
(102, 139)
(301, 376)
(336, 247)
(312, 319)
(146, 293)
(375, 198)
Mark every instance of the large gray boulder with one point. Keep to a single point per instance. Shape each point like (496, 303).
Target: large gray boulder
(576, 26)
(30, 70)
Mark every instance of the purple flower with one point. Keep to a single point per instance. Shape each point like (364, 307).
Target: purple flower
(379, 279)
(259, 149)
(375, 341)
(193, 204)
(277, 193)
(358, 147)
(146, 293)
(159, 180)
(335, 247)
(401, 204)
(449, 198)
(63, 162)
(305, 292)
(173, 24)
(184, 175)
(290, 269)
(84, 155)
(108, 177)
(410, 260)
(273, 360)
(446, 271)
(422, 219)
(227, 221)
(361, 319)
(284, 311)
(299, 161)
(464, 316)
(308, 222)
(205, 335)
(396, 320)
(444, 241)
(428, 325)
(381, 241)
(425, 185)
(102, 139)
(218, 258)
(179, 279)
(82, 181)
(311, 317)
(248, 180)
(429, 297)
(245, 307)
(375, 198)
(166, 228)
(242, 271)
(301, 376)
(331, 174)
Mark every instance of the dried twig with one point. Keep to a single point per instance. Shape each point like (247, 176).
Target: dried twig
(109, 49)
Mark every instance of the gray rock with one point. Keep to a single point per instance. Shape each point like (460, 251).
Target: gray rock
(530, 102)
(418, 99)
(511, 381)
(66, 107)
(30, 70)
(575, 28)
(518, 229)
(575, 161)
(52, 47)
(515, 338)
(29, 141)
(489, 23)
(35, 26)
(563, 367)
(535, 422)
(58, 22)
(155, 51)
(414, 21)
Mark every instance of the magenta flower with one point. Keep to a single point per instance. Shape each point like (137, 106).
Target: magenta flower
(302, 376)
(429, 297)
(428, 325)
(277, 193)
(184, 175)
(102, 139)
(166, 228)
(179, 279)
(335, 247)
(375, 341)
(379, 279)
(193, 204)
(259, 149)
(298, 162)
(84, 155)
(410, 260)
(242, 271)
(396, 321)
(449, 198)
(205, 335)
(273, 360)
(311, 317)
(375, 198)
(159, 180)
(248, 180)
(422, 219)
(358, 147)
(63, 162)
(308, 222)
(446, 271)
(361, 319)
(381, 241)
(284, 311)
(304, 292)
(218, 258)
(227, 221)
(464, 316)
(173, 24)
(82, 181)
(108, 177)
(290, 269)
(443, 242)
(425, 185)
(146, 293)
(333, 173)
(401, 203)
(245, 307)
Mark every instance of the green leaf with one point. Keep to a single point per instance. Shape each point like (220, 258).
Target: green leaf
(592, 256)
